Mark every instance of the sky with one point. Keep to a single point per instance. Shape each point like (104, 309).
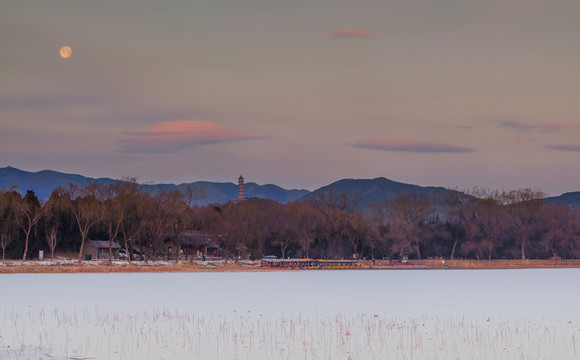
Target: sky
(454, 93)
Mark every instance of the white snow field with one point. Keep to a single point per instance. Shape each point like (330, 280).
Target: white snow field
(326, 314)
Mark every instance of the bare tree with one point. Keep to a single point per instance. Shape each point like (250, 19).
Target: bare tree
(524, 207)
(409, 214)
(477, 217)
(30, 211)
(561, 230)
(5, 240)
(474, 247)
(210, 219)
(307, 219)
(379, 229)
(5, 208)
(335, 210)
(159, 214)
(51, 240)
(283, 228)
(355, 231)
(154, 226)
(236, 220)
(85, 208)
(112, 211)
(193, 194)
(129, 199)
(575, 239)
(175, 207)
(458, 215)
(490, 219)
(56, 205)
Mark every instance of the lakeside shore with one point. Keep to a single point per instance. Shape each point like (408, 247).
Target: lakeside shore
(73, 266)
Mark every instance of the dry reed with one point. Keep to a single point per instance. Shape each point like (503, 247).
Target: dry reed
(167, 333)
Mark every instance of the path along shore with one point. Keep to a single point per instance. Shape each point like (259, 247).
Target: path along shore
(73, 266)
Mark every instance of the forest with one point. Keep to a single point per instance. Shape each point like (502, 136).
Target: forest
(476, 224)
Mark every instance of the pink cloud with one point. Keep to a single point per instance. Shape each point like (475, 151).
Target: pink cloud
(574, 148)
(351, 33)
(175, 136)
(410, 146)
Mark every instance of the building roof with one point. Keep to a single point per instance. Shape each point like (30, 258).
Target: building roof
(103, 244)
(196, 239)
(212, 245)
(192, 237)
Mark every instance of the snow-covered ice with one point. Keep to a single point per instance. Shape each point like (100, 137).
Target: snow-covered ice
(361, 314)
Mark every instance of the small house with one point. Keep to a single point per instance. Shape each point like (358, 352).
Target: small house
(192, 244)
(99, 250)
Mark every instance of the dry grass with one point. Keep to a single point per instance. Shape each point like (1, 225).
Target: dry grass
(16, 267)
(497, 264)
(20, 267)
(513, 264)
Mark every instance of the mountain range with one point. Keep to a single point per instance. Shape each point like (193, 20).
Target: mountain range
(367, 191)
(43, 182)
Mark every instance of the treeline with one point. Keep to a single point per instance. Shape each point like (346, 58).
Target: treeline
(477, 225)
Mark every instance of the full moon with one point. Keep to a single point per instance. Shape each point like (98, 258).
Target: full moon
(65, 52)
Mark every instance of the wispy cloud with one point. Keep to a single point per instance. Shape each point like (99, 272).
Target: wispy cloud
(350, 33)
(513, 124)
(49, 102)
(561, 125)
(175, 136)
(550, 126)
(394, 120)
(573, 148)
(410, 146)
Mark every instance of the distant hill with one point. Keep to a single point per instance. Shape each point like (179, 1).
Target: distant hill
(570, 199)
(369, 191)
(44, 182)
(217, 193)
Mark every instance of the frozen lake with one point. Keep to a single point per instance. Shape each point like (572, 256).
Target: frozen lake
(423, 314)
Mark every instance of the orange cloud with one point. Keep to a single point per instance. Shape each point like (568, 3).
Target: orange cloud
(410, 146)
(175, 136)
(350, 33)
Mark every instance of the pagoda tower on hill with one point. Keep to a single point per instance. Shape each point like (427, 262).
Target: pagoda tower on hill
(241, 194)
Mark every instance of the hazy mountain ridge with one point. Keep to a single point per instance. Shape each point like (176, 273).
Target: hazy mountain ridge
(569, 198)
(42, 182)
(367, 191)
(45, 181)
(218, 192)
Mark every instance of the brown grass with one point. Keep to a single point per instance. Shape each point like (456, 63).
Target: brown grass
(512, 264)
(19, 267)
(489, 264)
(85, 267)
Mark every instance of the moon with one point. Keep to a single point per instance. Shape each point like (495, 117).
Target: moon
(65, 52)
